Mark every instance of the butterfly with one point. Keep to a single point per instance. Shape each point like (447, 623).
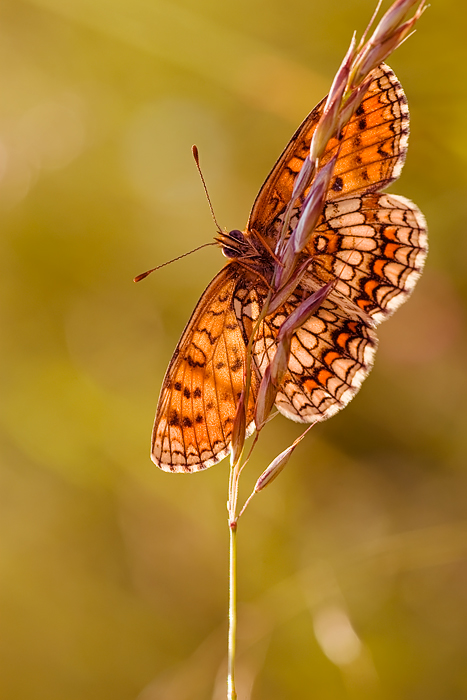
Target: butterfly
(373, 245)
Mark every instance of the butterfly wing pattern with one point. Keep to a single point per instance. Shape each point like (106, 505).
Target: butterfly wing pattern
(372, 243)
(203, 383)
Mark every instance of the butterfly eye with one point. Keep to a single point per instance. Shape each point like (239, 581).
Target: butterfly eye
(238, 235)
(230, 252)
(235, 250)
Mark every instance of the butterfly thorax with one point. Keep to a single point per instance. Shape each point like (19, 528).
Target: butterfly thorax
(248, 250)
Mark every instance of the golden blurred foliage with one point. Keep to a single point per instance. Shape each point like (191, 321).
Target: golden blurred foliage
(353, 564)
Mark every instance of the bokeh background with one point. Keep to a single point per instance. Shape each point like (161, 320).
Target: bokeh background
(353, 565)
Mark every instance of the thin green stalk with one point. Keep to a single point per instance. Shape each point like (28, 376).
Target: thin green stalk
(231, 690)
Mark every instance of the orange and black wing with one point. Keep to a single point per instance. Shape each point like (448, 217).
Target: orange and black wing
(198, 401)
(372, 152)
(330, 356)
(374, 246)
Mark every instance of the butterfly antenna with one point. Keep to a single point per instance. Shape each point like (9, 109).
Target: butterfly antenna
(140, 277)
(194, 150)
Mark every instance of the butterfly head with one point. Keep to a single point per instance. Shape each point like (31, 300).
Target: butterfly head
(234, 244)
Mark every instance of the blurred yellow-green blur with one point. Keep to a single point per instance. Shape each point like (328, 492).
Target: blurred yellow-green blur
(353, 564)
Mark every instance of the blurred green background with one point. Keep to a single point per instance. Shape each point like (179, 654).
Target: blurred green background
(353, 565)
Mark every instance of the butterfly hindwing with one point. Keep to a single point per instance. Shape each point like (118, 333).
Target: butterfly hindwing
(375, 245)
(331, 354)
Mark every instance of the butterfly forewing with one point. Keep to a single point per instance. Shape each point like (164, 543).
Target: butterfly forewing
(202, 385)
(374, 142)
(372, 151)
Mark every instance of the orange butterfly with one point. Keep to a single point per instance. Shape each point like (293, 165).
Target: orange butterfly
(373, 244)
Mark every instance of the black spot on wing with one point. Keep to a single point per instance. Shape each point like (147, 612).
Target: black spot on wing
(174, 418)
(337, 185)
